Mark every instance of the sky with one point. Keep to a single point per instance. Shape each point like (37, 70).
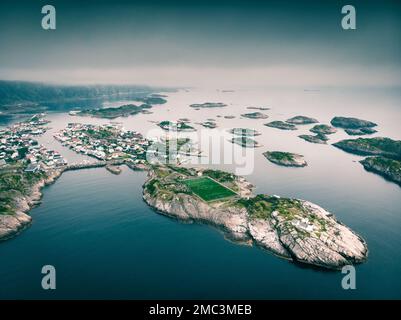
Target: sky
(202, 43)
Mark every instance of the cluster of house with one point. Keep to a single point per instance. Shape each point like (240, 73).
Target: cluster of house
(17, 145)
(304, 224)
(300, 223)
(104, 142)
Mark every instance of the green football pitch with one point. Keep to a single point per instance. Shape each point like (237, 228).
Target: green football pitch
(208, 189)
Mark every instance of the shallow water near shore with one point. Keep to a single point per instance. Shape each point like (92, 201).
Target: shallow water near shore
(105, 242)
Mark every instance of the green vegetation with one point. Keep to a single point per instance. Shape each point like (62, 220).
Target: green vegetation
(18, 97)
(281, 156)
(14, 182)
(263, 206)
(351, 123)
(99, 134)
(152, 100)
(281, 125)
(169, 125)
(183, 170)
(208, 105)
(387, 152)
(301, 120)
(259, 207)
(287, 159)
(244, 132)
(245, 142)
(255, 115)
(151, 186)
(13, 92)
(225, 178)
(208, 189)
(388, 168)
(323, 129)
(360, 131)
(220, 176)
(111, 113)
(318, 138)
(372, 146)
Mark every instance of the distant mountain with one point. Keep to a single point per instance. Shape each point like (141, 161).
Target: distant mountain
(19, 97)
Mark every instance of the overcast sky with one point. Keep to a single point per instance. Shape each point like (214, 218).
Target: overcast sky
(202, 43)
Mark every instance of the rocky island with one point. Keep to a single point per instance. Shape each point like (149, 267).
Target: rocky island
(153, 99)
(258, 108)
(245, 141)
(20, 190)
(281, 125)
(388, 168)
(301, 120)
(323, 129)
(176, 126)
(244, 132)
(209, 124)
(360, 131)
(318, 138)
(386, 152)
(114, 112)
(351, 123)
(208, 105)
(255, 115)
(293, 229)
(377, 146)
(286, 159)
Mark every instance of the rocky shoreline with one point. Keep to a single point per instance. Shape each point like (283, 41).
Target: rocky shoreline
(388, 168)
(286, 159)
(377, 146)
(296, 230)
(12, 225)
(293, 229)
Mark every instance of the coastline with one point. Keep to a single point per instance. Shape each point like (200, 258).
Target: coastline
(12, 225)
(338, 246)
(335, 245)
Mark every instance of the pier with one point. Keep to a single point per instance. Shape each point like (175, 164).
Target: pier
(99, 164)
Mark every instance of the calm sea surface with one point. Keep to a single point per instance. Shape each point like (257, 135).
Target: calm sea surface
(105, 242)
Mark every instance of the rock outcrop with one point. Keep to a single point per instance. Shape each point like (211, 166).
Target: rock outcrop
(377, 146)
(12, 224)
(351, 123)
(286, 159)
(302, 120)
(294, 229)
(281, 125)
(323, 129)
(388, 168)
(318, 138)
(360, 131)
(255, 115)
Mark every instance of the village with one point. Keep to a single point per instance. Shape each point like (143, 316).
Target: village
(17, 146)
(104, 142)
